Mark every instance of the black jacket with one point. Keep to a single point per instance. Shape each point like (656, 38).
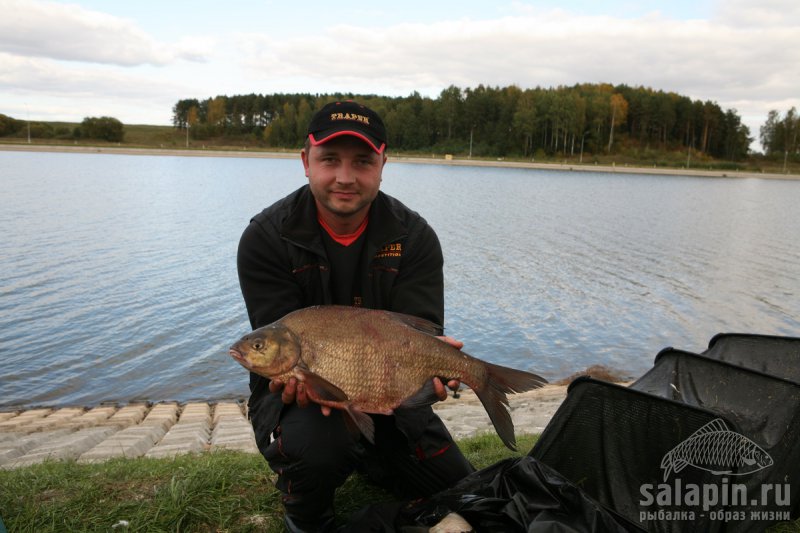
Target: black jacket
(283, 266)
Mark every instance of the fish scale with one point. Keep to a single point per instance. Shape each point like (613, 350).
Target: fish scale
(372, 361)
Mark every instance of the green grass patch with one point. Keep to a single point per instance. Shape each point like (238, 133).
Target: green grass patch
(219, 492)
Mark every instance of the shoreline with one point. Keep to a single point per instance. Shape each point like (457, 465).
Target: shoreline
(244, 153)
(168, 429)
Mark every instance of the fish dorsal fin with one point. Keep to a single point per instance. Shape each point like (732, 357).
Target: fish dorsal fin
(715, 426)
(425, 326)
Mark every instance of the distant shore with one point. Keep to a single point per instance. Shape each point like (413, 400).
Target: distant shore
(575, 167)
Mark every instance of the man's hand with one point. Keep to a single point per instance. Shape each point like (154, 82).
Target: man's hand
(453, 384)
(295, 392)
(451, 341)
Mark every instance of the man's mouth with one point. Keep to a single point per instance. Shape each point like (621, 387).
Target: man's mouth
(344, 194)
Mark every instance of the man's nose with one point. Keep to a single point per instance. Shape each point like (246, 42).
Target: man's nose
(346, 174)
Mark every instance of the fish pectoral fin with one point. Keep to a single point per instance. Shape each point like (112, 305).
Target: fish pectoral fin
(678, 465)
(321, 388)
(424, 396)
(359, 421)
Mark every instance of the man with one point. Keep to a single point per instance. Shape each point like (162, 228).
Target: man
(340, 240)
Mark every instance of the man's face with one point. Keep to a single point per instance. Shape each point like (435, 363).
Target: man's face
(344, 175)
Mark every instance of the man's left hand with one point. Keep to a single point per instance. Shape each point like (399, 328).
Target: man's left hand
(453, 384)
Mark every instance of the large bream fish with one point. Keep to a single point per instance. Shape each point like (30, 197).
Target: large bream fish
(371, 361)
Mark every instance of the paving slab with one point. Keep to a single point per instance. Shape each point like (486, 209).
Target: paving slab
(162, 414)
(92, 417)
(190, 435)
(229, 410)
(23, 419)
(17, 445)
(128, 415)
(7, 416)
(232, 430)
(55, 420)
(66, 446)
(131, 442)
(168, 429)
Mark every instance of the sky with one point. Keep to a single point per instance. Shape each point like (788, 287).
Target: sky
(133, 60)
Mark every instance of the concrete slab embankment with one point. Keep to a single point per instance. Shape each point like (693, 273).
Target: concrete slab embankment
(169, 429)
(136, 430)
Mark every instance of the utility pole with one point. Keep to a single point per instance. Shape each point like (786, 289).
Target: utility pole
(583, 138)
(470, 141)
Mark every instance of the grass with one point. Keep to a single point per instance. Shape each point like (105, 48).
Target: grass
(214, 492)
(220, 491)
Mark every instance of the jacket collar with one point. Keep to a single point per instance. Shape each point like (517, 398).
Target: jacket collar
(301, 226)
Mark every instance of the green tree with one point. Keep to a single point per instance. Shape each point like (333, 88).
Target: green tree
(9, 126)
(736, 136)
(180, 111)
(619, 111)
(450, 103)
(215, 115)
(103, 128)
(524, 121)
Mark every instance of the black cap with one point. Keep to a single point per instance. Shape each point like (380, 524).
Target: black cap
(347, 118)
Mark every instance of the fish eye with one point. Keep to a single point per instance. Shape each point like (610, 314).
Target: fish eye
(258, 344)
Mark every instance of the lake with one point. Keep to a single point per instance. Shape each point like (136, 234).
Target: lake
(118, 273)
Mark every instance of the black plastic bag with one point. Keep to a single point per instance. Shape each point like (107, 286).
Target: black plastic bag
(513, 495)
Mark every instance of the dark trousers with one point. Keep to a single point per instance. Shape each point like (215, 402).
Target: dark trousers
(314, 454)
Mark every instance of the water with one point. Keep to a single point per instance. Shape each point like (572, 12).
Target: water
(118, 277)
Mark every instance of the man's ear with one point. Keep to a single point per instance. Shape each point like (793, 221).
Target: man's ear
(304, 158)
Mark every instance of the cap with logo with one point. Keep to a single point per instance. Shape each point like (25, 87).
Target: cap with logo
(347, 118)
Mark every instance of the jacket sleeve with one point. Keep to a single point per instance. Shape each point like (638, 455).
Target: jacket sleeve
(269, 291)
(419, 287)
(265, 274)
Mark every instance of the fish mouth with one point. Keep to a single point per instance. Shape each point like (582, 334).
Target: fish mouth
(240, 358)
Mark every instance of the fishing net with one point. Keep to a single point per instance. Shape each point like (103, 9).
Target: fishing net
(700, 442)
(777, 356)
(611, 440)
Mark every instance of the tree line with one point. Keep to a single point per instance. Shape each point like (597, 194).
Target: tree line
(100, 128)
(496, 121)
(779, 135)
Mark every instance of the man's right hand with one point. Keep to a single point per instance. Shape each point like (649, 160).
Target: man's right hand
(294, 391)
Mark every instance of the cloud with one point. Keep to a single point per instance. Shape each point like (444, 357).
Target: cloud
(68, 32)
(553, 48)
(761, 14)
(34, 75)
(747, 67)
(53, 90)
(742, 56)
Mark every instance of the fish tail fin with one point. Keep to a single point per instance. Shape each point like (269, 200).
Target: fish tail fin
(501, 381)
